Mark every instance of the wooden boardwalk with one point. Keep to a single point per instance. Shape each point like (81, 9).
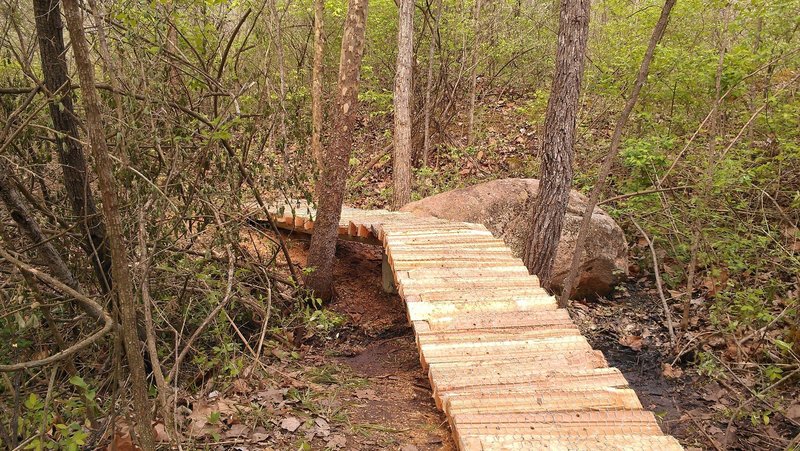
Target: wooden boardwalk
(509, 369)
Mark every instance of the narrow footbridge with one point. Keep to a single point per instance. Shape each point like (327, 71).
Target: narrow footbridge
(510, 370)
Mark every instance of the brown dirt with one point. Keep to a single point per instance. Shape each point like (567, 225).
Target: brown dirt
(397, 410)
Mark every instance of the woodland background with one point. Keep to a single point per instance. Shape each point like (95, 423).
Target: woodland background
(205, 102)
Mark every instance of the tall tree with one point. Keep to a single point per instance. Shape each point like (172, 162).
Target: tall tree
(555, 174)
(108, 190)
(49, 30)
(316, 81)
(473, 72)
(331, 184)
(401, 171)
(641, 78)
(426, 142)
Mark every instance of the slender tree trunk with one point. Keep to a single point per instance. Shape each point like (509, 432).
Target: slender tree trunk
(276, 23)
(108, 190)
(473, 74)
(559, 137)
(331, 184)
(47, 14)
(402, 105)
(426, 144)
(316, 82)
(21, 214)
(641, 78)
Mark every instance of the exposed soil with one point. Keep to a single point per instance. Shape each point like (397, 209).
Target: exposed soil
(396, 410)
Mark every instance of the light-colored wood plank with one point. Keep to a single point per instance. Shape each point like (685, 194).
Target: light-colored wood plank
(527, 442)
(467, 321)
(544, 401)
(424, 311)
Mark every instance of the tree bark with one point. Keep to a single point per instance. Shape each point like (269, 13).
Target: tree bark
(641, 78)
(108, 191)
(70, 151)
(559, 138)
(316, 82)
(20, 213)
(401, 172)
(331, 184)
(426, 143)
(473, 74)
(278, 27)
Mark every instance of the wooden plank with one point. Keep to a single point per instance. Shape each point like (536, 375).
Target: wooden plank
(567, 360)
(527, 381)
(482, 335)
(431, 353)
(544, 401)
(466, 321)
(512, 293)
(577, 423)
(468, 273)
(483, 288)
(424, 311)
(527, 442)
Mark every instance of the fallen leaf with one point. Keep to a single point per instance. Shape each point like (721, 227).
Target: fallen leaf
(336, 441)
(236, 431)
(671, 372)
(367, 393)
(259, 435)
(122, 442)
(290, 424)
(632, 341)
(793, 412)
(161, 432)
(271, 396)
(409, 447)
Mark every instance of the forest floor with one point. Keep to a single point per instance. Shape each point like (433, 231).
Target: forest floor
(356, 385)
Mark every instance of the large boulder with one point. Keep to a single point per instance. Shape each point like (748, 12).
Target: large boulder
(505, 206)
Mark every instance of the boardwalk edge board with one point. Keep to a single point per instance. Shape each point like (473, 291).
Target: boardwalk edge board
(509, 369)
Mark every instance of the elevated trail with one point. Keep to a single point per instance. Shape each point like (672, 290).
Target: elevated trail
(510, 370)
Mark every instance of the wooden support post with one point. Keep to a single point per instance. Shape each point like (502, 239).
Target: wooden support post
(387, 277)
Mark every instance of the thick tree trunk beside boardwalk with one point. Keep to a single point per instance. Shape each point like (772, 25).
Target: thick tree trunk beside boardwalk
(333, 175)
(402, 106)
(559, 137)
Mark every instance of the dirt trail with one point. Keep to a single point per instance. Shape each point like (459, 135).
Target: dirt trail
(395, 409)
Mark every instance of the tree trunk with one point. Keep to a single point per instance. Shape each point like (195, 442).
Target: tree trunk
(276, 22)
(108, 191)
(401, 172)
(559, 138)
(316, 82)
(473, 74)
(333, 176)
(20, 213)
(70, 151)
(426, 143)
(641, 78)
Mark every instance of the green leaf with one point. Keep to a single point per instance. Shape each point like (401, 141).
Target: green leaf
(32, 402)
(782, 345)
(78, 382)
